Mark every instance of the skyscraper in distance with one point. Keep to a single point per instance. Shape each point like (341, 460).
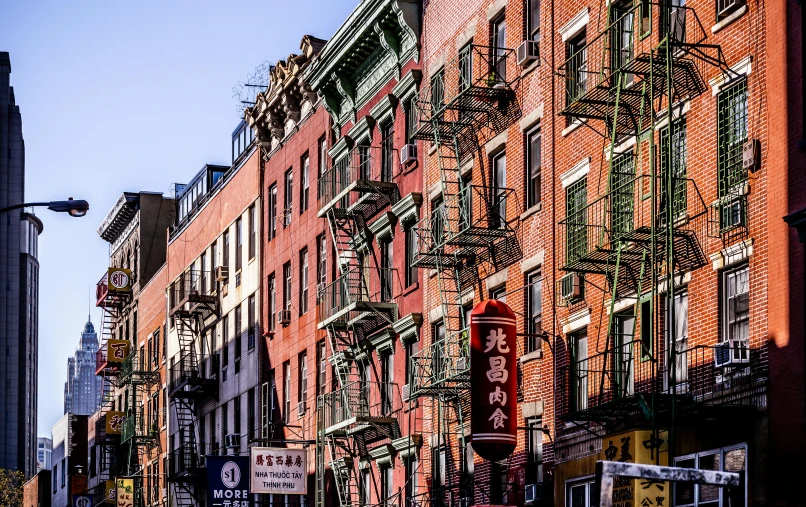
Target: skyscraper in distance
(83, 389)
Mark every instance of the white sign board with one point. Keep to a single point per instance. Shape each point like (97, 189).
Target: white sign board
(279, 471)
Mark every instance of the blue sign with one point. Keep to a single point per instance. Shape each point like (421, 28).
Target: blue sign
(228, 481)
(82, 500)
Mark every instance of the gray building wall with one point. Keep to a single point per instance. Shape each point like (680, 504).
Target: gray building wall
(83, 389)
(19, 281)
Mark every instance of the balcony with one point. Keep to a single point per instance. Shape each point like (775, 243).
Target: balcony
(188, 379)
(140, 430)
(618, 74)
(366, 411)
(475, 91)
(621, 383)
(138, 370)
(102, 364)
(473, 225)
(362, 297)
(186, 464)
(443, 365)
(101, 436)
(193, 293)
(109, 298)
(615, 234)
(360, 182)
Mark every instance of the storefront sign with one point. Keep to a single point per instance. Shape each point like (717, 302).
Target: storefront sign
(279, 471)
(82, 500)
(117, 350)
(228, 481)
(110, 492)
(125, 492)
(114, 422)
(638, 447)
(493, 367)
(119, 280)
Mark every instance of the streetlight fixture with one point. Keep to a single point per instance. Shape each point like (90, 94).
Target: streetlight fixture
(74, 207)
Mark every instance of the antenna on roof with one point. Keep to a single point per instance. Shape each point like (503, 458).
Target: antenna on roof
(245, 92)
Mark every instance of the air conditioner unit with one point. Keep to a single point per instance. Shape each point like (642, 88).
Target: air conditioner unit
(571, 285)
(530, 494)
(232, 441)
(301, 408)
(528, 51)
(731, 353)
(284, 317)
(222, 274)
(461, 363)
(406, 392)
(408, 154)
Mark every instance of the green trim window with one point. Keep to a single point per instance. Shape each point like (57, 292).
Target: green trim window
(622, 186)
(577, 65)
(732, 133)
(576, 233)
(677, 164)
(438, 90)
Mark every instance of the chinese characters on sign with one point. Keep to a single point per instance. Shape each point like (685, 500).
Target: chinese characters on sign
(637, 447)
(114, 422)
(228, 481)
(117, 350)
(493, 379)
(125, 492)
(119, 280)
(110, 491)
(279, 471)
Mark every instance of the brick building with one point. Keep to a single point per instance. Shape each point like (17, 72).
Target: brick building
(36, 491)
(214, 354)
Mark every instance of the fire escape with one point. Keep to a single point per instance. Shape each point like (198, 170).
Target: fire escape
(361, 415)
(647, 229)
(193, 305)
(472, 231)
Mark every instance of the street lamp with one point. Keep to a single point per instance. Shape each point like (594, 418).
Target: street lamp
(75, 208)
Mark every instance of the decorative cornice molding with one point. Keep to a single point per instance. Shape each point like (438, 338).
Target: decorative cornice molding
(408, 328)
(408, 208)
(407, 85)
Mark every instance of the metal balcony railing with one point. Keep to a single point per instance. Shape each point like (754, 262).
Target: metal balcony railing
(138, 369)
(359, 402)
(187, 461)
(193, 286)
(109, 298)
(444, 364)
(359, 287)
(187, 376)
(139, 427)
(609, 384)
(365, 169)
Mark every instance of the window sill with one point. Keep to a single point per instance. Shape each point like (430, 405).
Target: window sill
(531, 356)
(733, 16)
(530, 68)
(570, 128)
(531, 211)
(432, 273)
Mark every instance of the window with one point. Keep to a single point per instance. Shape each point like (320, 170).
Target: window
(250, 415)
(252, 232)
(736, 306)
(387, 270)
(533, 20)
(533, 166)
(387, 484)
(534, 312)
(364, 490)
(250, 340)
(410, 120)
(725, 8)
(534, 449)
(237, 415)
(676, 164)
(321, 368)
(465, 67)
(732, 133)
(411, 484)
(321, 262)
(55, 476)
(303, 281)
(621, 37)
(576, 232)
(213, 263)
(224, 425)
(203, 281)
(622, 183)
(411, 253)
(438, 219)
(438, 90)
(238, 335)
(499, 44)
(726, 459)
(498, 213)
(287, 286)
(437, 359)
(304, 199)
(438, 464)
(322, 157)
(287, 391)
(679, 333)
(224, 342)
(225, 247)
(387, 379)
(579, 493)
(238, 244)
(302, 382)
(623, 359)
(579, 371)
(272, 210)
(272, 303)
(577, 66)
(387, 151)
(288, 197)
(499, 293)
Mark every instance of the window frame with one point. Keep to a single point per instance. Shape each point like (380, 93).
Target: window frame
(303, 281)
(251, 322)
(305, 166)
(271, 290)
(725, 303)
(532, 31)
(238, 244)
(533, 171)
(588, 482)
(288, 198)
(721, 452)
(252, 232)
(533, 342)
(272, 211)
(287, 282)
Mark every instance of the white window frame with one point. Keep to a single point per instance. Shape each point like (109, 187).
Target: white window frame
(696, 456)
(588, 482)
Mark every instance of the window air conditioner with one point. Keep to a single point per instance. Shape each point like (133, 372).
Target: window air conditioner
(284, 317)
(222, 274)
(731, 353)
(461, 363)
(232, 441)
(408, 154)
(528, 51)
(571, 286)
(530, 494)
(301, 408)
(406, 392)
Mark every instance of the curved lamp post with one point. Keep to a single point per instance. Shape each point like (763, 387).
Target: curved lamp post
(76, 208)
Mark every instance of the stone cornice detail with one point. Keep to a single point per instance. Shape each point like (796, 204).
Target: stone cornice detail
(408, 446)
(383, 226)
(384, 110)
(408, 208)
(408, 328)
(407, 85)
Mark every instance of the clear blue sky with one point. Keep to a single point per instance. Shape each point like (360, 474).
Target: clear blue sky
(127, 96)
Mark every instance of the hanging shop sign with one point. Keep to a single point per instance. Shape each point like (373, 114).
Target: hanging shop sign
(119, 280)
(82, 500)
(117, 350)
(228, 481)
(493, 367)
(125, 492)
(110, 492)
(638, 447)
(114, 422)
(279, 471)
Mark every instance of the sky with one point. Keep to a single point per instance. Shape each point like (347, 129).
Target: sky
(127, 96)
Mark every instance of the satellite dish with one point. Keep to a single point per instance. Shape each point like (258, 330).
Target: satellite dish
(245, 92)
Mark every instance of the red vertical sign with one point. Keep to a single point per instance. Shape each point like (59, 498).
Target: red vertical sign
(494, 383)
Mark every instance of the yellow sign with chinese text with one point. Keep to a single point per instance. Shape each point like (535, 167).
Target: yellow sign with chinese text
(114, 422)
(119, 280)
(125, 492)
(117, 350)
(638, 447)
(110, 492)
